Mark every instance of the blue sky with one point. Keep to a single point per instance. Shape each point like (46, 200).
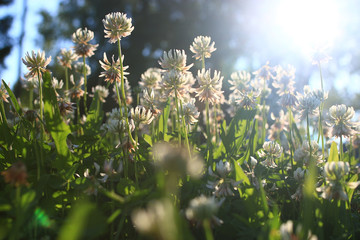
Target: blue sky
(32, 20)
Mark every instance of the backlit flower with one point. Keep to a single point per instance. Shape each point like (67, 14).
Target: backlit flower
(240, 81)
(202, 47)
(308, 103)
(339, 120)
(150, 79)
(209, 87)
(112, 71)
(3, 94)
(175, 82)
(271, 151)
(76, 91)
(101, 91)
(82, 37)
(79, 68)
(190, 112)
(36, 63)
(264, 73)
(204, 208)
(284, 80)
(117, 25)
(174, 60)
(67, 57)
(303, 153)
(141, 115)
(223, 184)
(246, 100)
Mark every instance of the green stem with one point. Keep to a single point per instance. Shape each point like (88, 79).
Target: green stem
(207, 229)
(290, 138)
(66, 79)
(215, 123)
(40, 96)
(178, 118)
(31, 98)
(208, 132)
(309, 138)
(203, 61)
(3, 115)
(136, 155)
(341, 148)
(185, 130)
(320, 113)
(85, 84)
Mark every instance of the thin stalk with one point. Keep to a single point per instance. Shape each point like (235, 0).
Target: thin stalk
(66, 79)
(341, 148)
(203, 61)
(85, 84)
(178, 118)
(185, 130)
(136, 154)
(290, 138)
(263, 134)
(31, 98)
(215, 122)
(208, 132)
(308, 133)
(3, 115)
(119, 99)
(207, 230)
(40, 96)
(320, 114)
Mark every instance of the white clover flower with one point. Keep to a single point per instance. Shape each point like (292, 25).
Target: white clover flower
(36, 63)
(76, 91)
(141, 115)
(174, 60)
(204, 208)
(299, 174)
(157, 220)
(319, 55)
(67, 57)
(284, 80)
(289, 100)
(240, 81)
(287, 232)
(150, 79)
(303, 153)
(117, 25)
(246, 100)
(308, 103)
(264, 73)
(190, 112)
(176, 83)
(116, 123)
(82, 37)
(177, 160)
(271, 151)
(101, 91)
(112, 71)
(202, 47)
(223, 184)
(79, 68)
(339, 120)
(209, 87)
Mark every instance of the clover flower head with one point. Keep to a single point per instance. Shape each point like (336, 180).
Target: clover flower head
(174, 60)
(67, 57)
(246, 100)
(340, 120)
(176, 160)
(152, 102)
(287, 232)
(112, 71)
(116, 123)
(102, 92)
(65, 107)
(204, 208)
(79, 68)
(76, 91)
(36, 63)
(81, 38)
(117, 25)
(264, 73)
(141, 115)
(308, 103)
(209, 87)
(190, 112)
(299, 174)
(320, 55)
(284, 80)
(176, 83)
(288, 100)
(303, 153)
(202, 47)
(150, 79)
(3, 94)
(223, 184)
(334, 173)
(157, 220)
(262, 89)
(271, 151)
(240, 81)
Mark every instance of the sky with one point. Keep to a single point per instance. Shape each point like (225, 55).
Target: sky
(288, 23)
(32, 20)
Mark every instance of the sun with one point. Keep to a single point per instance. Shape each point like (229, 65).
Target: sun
(308, 23)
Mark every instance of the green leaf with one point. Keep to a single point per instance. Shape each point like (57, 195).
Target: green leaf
(147, 139)
(58, 129)
(13, 99)
(94, 116)
(333, 157)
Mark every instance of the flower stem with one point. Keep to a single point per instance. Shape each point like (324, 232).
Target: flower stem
(207, 229)
(341, 148)
(321, 132)
(290, 138)
(85, 84)
(178, 118)
(208, 132)
(185, 130)
(136, 155)
(309, 138)
(3, 115)
(66, 79)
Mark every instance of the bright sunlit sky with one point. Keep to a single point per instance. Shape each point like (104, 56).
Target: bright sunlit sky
(300, 24)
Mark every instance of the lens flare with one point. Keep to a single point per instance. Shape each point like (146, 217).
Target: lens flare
(309, 23)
